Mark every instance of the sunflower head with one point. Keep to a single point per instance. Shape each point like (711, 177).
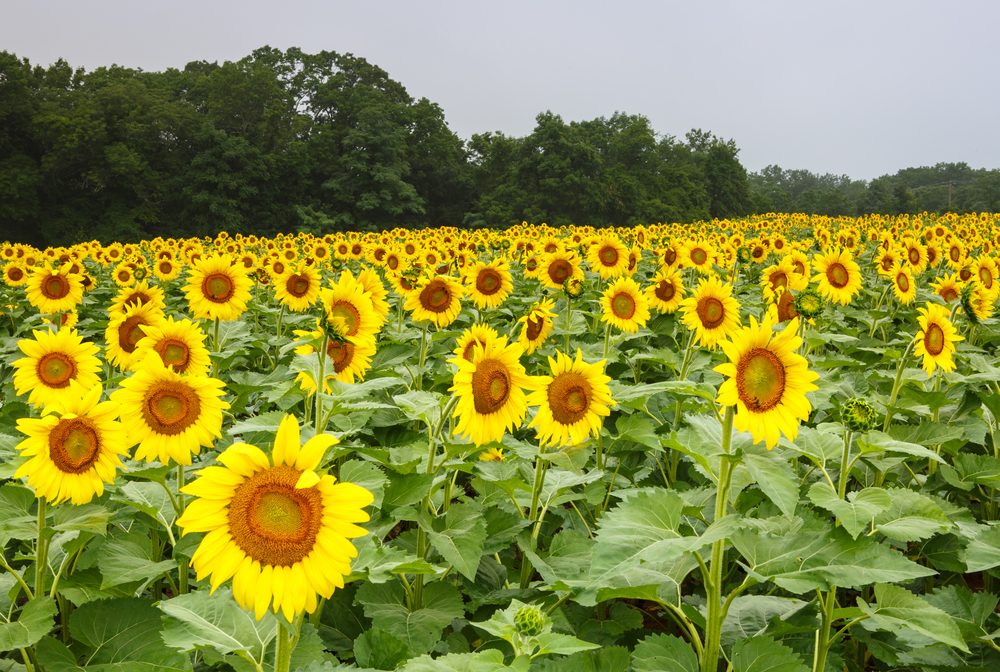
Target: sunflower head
(809, 303)
(573, 287)
(858, 415)
(572, 402)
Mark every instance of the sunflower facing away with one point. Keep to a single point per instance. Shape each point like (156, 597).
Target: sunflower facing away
(624, 306)
(74, 448)
(180, 345)
(838, 275)
(572, 402)
(54, 291)
(490, 391)
(51, 362)
(766, 380)
(478, 335)
(217, 288)
(277, 528)
(711, 312)
(935, 341)
(536, 326)
(170, 416)
(349, 308)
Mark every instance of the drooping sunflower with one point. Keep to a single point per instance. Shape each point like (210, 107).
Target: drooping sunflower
(903, 284)
(478, 335)
(572, 402)
(52, 360)
(125, 330)
(781, 276)
(349, 308)
(838, 275)
(54, 290)
(935, 341)
(766, 380)
(179, 344)
(437, 299)
(608, 256)
(667, 291)
(556, 268)
(277, 528)
(711, 312)
(74, 449)
(537, 326)
(489, 284)
(624, 306)
(490, 391)
(170, 416)
(299, 288)
(217, 288)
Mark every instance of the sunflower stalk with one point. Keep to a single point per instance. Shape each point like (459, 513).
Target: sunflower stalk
(182, 565)
(321, 383)
(419, 382)
(569, 322)
(536, 496)
(41, 550)
(673, 459)
(713, 584)
(285, 643)
(897, 383)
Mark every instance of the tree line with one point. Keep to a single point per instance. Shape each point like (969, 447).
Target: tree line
(286, 141)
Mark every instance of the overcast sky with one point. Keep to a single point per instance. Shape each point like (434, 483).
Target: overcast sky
(862, 87)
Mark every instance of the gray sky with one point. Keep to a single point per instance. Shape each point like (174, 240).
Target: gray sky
(859, 87)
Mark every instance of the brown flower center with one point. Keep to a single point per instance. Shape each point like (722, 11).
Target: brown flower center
(665, 290)
(435, 297)
(559, 270)
(56, 369)
(760, 380)
(174, 353)
(623, 306)
(698, 256)
(218, 287)
(55, 287)
(569, 397)
(491, 385)
(778, 279)
(934, 340)
(470, 348)
(955, 253)
(949, 294)
(837, 275)
(913, 254)
(488, 282)
(348, 312)
(171, 407)
(670, 256)
(297, 285)
(711, 312)
(903, 282)
(273, 522)
(15, 273)
(986, 276)
(533, 326)
(74, 445)
(130, 333)
(341, 352)
(608, 256)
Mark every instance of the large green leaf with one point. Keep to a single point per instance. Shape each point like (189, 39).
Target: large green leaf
(897, 609)
(420, 629)
(482, 661)
(763, 654)
(664, 653)
(33, 623)
(151, 499)
(199, 620)
(124, 633)
(129, 558)
(459, 536)
(911, 516)
(855, 514)
(16, 518)
(983, 551)
(775, 477)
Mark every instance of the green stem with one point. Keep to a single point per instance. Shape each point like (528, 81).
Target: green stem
(607, 340)
(422, 358)
(824, 635)
(674, 458)
(321, 383)
(182, 564)
(536, 496)
(896, 385)
(17, 577)
(713, 588)
(569, 323)
(283, 646)
(42, 550)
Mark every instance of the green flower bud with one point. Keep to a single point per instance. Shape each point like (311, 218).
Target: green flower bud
(743, 254)
(809, 303)
(530, 621)
(858, 415)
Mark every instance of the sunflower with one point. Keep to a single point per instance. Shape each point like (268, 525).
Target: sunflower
(886, 262)
(54, 291)
(490, 284)
(608, 256)
(125, 330)
(140, 293)
(666, 292)
(170, 416)
(556, 268)
(537, 326)
(275, 526)
(74, 448)
(492, 454)
(624, 306)
(711, 312)
(15, 274)
(52, 361)
(437, 299)
(572, 402)
(956, 255)
(838, 275)
(166, 269)
(948, 287)
(781, 276)
(766, 380)
(299, 288)
(349, 357)
(985, 271)
(903, 285)
(217, 288)
(476, 335)
(935, 341)
(915, 255)
(699, 255)
(490, 391)
(179, 344)
(349, 308)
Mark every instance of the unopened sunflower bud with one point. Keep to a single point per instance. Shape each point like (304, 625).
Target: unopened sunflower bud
(809, 303)
(530, 621)
(858, 415)
(573, 288)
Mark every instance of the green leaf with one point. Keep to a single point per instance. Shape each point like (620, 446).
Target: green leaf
(16, 518)
(125, 633)
(151, 499)
(32, 624)
(91, 518)
(970, 610)
(482, 661)
(637, 429)
(560, 644)
(459, 536)
(664, 653)
(751, 615)
(129, 558)
(983, 551)
(898, 609)
(774, 476)
(265, 423)
(379, 649)
(607, 659)
(421, 629)
(421, 405)
(763, 654)
(911, 516)
(367, 475)
(198, 620)
(857, 513)
(877, 442)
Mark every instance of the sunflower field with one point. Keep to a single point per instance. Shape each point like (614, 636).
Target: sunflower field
(769, 443)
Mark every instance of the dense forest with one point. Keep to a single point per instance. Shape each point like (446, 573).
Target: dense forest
(285, 141)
